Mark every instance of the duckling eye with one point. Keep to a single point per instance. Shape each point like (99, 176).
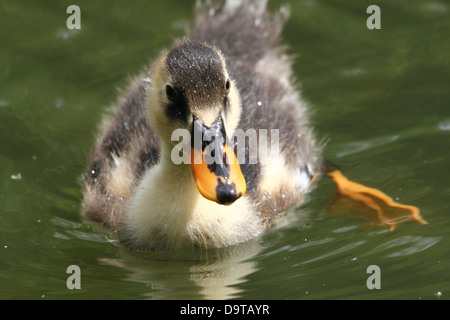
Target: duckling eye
(171, 93)
(227, 86)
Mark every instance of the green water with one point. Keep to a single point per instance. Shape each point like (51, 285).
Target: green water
(380, 98)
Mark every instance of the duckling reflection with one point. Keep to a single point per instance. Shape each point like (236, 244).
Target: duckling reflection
(212, 274)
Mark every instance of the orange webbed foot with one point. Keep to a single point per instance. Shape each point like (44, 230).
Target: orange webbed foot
(387, 212)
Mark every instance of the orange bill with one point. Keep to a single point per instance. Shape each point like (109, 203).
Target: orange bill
(224, 182)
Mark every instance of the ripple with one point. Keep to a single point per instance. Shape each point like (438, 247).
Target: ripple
(413, 244)
(64, 223)
(311, 244)
(435, 7)
(94, 237)
(354, 72)
(344, 229)
(338, 251)
(358, 146)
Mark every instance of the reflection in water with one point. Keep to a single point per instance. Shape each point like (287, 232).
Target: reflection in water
(211, 274)
(192, 274)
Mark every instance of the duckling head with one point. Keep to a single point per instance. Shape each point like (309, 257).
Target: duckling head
(191, 89)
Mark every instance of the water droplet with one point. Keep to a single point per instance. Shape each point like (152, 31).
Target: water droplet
(444, 125)
(59, 103)
(16, 176)
(126, 126)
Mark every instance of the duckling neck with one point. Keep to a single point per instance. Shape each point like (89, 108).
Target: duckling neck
(168, 212)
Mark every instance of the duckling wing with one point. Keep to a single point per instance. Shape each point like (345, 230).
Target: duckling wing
(125, 148)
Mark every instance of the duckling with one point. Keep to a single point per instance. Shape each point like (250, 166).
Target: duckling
(229, 73)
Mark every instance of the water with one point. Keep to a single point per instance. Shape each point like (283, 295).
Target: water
(379, 98)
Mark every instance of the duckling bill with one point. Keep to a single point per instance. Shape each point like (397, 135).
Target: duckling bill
(218, 176)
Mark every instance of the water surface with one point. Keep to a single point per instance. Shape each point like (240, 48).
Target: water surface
(380, 99)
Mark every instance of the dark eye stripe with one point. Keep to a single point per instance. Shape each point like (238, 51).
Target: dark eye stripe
(171, 93)
(177, 110)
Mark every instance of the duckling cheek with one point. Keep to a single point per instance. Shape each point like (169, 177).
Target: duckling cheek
(213, 184)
